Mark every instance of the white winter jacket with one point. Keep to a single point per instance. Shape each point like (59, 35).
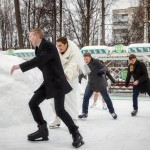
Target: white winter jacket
(69, 61)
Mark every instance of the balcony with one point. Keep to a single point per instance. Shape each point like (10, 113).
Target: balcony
(117, 27)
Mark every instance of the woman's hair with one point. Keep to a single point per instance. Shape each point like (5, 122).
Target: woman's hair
(87, 54)
(62, 40)
(132, 56)
(38, 31)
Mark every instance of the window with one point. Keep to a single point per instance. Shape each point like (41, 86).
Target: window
(132, 50)
(91, 51)
(103, 51)
(140, 49)
(97, 51)
(82, 51)
(146, 49)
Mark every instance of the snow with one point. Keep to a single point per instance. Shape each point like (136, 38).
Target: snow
(100, 131)
(15, 91)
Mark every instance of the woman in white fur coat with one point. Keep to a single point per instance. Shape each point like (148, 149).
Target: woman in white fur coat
(69, 51)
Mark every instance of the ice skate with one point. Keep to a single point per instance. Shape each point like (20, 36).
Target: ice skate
(104, 107)
(40, 135)
(55, 124)
(134, 112)
(83, 115)
(93, 105)
(77, 139)
(114, 115)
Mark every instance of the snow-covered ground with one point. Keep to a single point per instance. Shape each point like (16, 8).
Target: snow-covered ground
(100, 131)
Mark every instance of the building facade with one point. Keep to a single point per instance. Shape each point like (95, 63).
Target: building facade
(122, 21)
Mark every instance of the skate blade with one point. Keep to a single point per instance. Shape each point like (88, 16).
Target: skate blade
(133, 115)
(115, 118)
(54, 127)
(79, 145)
(83, 119)
(38, 139)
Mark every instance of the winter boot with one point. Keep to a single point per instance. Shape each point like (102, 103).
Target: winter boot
(55, 124)
(83, 115)
(40, 135)
(114, 115)
(134, 112)
(77, 139)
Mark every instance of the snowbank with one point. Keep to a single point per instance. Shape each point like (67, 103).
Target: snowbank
(16, 91)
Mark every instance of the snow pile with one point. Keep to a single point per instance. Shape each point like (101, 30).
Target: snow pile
(16, 91)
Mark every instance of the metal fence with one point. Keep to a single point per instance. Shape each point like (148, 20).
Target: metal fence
(119, 74)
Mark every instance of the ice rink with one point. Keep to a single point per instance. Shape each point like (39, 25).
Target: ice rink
(100, 131)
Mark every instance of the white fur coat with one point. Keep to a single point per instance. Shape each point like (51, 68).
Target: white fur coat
(69, 61)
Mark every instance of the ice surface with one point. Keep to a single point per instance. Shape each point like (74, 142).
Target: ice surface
(100, 131)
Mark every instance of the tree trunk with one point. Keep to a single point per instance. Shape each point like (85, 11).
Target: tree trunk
(18, 22)
(29, 25)
(61, 16)
(146, 23)
(34, 14)
(103, 23)
(88, 6)
(54, 21)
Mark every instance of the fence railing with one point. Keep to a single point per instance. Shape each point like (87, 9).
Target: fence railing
(119, 74)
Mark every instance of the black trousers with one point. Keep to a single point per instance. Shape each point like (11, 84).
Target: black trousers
(136, 93)
(39, 97)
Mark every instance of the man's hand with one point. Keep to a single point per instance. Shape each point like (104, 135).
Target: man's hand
(15, 67)
(136, 82)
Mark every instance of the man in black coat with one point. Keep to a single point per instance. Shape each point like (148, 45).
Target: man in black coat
(96, 83)
(54, 86)
(141, 82)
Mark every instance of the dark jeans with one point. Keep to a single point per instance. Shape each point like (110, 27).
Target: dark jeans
(87, 95)
(136, 92)
(39, 97)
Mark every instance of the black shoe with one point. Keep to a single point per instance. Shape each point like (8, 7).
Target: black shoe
(83, 115)
(134, 112)
(77, 139)
(40, 135)
(114, 115)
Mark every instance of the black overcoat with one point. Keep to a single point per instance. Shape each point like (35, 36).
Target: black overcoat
(48, 61)
(97, 83)
(139, 73)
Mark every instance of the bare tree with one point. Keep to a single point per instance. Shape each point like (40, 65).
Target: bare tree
(54, 21)
(18, 22)
(7, 28)
(85, 19)
(79, 21)
(136, 31)
(61, 16)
